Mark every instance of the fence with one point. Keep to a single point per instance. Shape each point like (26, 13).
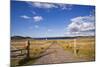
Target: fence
(21, 52)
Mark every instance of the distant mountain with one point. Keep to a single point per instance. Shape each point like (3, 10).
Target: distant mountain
(85, 36)
(48, 38)
(19, 37)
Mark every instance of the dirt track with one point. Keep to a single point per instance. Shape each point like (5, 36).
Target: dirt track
(56, 54)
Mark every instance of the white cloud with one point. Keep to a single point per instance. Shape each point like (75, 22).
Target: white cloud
(83, 19)
(50, 5)
(88, 33)
(37, 18)
(82, 25)
(65, 6)
(42, 5)
(25, 17)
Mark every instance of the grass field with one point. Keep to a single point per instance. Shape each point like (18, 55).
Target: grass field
(81, 48)
(85, 47)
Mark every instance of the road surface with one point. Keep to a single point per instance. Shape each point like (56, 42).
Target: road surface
(56, 54)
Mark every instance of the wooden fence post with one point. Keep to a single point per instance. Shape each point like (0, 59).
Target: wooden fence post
(75, 47)
(28, 49)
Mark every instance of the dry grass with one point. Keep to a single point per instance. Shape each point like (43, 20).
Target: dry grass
(85, 47)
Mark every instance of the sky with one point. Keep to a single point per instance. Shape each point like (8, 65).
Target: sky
(35, 19)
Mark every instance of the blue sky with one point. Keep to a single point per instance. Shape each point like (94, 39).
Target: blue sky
(37, 19)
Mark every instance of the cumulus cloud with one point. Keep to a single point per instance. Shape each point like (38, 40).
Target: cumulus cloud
(25, 17)
(65, 6)
(82, 25)
(37, 18)
(85, 33)
(83, 19)
(50, 5)
(42, 5)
